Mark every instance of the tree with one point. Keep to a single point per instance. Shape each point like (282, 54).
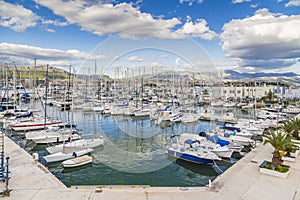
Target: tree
(296, 123)
(270, 95)
(205, 92)
(280, 142)
(292, 128)
(287, 127)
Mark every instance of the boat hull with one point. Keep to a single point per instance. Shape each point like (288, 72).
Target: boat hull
(29, 126)
(77, 162)
(189, 157)
(60, 156)
(91, 143)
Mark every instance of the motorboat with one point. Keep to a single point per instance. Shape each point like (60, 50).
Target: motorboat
(185, 150)
(78, 161)
(208, 145)
(176, 117)
(222, 142)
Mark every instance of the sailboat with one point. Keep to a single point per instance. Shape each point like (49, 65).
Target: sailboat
(40, 123)
(52, 136)
(88, 143)
(35, 125)
(67, 153)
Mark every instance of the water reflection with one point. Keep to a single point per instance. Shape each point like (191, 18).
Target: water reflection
(134, 153)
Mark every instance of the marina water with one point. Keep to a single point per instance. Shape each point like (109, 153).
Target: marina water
(134, 153)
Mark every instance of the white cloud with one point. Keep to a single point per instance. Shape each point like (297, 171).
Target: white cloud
(197, 29)
(135, 59)
(106, 19)
(16, 17)
(49, 30)
(227, 64)
(190, 2)
(54, 22)
(265, 36)
(240, 1)
(32, 52)
(102, 19)
(293, 3)
(157, 32)
(250, 68)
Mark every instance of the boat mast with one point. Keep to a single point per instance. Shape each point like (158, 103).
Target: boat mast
(45, 109)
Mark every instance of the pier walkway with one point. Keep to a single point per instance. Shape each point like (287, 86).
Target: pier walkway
(242, 181)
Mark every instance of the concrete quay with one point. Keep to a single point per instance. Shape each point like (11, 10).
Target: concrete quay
(242, 181)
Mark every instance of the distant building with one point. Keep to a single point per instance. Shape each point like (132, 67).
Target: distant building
(238, 92)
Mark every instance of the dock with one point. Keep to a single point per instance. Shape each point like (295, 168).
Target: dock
(30, 180)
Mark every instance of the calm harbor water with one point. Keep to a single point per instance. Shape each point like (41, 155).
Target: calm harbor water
(134, 152)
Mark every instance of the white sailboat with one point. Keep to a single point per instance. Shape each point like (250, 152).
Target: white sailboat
(53, 136)
(67, 153)
(88, 143)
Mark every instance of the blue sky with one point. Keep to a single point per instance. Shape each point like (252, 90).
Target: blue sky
(244, 35)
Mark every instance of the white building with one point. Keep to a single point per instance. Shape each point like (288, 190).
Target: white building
(243, 92)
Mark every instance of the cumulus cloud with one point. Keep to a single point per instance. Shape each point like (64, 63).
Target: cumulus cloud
(16, 17)
(106, 19)
(197, 29)
(293, 3)
(102, 19)
(161, 33)
(190, 2)
(265, 36)
(32, 52)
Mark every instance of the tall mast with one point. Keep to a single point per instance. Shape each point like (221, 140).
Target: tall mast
(45, 109)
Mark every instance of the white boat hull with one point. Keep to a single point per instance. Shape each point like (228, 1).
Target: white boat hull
(29, 126)
(76, 162)
(88, 143)
(55, 138)
(60, 156)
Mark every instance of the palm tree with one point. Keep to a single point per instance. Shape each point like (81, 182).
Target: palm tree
(296, 124)
(270, 95)
(292, 128)
(280, 142)
(287, 127)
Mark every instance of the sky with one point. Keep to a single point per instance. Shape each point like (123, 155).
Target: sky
(243, 35)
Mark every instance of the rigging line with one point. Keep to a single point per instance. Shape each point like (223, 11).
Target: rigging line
(227, 161)
(215, 164)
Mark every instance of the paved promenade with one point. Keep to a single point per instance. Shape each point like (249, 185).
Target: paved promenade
(32, 181)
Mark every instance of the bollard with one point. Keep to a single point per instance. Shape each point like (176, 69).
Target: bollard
(35, 157)
(6, 192)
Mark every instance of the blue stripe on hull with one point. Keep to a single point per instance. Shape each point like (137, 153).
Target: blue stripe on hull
(189, 158)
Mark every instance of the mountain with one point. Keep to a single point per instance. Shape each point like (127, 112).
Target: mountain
(234, 75)
(289, 78)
